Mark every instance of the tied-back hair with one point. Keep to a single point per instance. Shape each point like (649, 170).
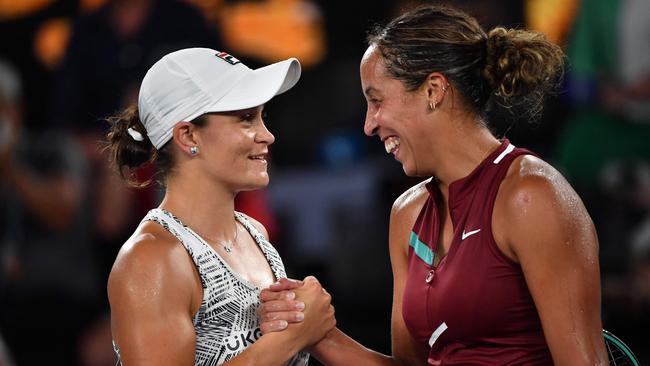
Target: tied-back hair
(127, 154)
(514, 68)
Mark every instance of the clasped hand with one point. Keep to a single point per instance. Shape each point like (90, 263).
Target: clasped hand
(303, 306)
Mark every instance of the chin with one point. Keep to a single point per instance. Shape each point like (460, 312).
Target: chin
(411, 171)
(258, 182)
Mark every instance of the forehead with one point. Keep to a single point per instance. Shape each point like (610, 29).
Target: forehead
(374, 76)
(372, 65)
(372, 69)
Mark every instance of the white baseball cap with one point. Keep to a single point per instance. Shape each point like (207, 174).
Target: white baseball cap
(188, 83)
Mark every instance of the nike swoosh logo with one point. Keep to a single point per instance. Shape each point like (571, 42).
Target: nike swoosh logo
(468, 234)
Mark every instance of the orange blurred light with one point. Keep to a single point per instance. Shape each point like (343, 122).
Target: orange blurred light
(552, 17)
(12, 9)
(274, 29)
(87, 6)
(51, 40)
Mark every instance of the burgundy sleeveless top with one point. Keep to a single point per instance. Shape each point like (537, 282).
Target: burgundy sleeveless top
(474, 307)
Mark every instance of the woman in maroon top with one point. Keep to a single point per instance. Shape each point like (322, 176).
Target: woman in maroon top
(495, 259)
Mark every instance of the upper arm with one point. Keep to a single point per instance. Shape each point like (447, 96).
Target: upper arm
(403, 216)
(150, 304)
(547, 228)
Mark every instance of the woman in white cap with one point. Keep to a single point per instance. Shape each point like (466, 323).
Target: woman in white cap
(185, 287)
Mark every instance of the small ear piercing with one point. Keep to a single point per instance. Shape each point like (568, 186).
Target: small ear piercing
(194, 150)
(432, 105)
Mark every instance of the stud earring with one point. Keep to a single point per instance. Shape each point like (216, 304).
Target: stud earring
(194, 150)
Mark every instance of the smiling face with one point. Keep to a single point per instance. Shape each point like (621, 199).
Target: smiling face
(397, 116)
(234, 148)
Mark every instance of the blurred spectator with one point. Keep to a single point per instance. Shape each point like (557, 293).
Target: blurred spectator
(109, 52)
(49, 280)
(609, 71)
(626, 291)
(604, 151)
(609, 81)
(65, 208)
(111, 49)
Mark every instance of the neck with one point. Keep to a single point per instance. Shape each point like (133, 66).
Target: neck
(206, 207)
(463, 150)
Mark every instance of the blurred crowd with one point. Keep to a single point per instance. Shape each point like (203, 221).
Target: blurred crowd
(65, 65)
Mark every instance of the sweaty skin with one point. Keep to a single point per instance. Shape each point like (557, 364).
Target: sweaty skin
(538, 221)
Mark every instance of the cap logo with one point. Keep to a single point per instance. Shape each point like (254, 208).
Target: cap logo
(228, 58)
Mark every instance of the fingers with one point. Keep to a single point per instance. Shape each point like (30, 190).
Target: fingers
(311, 279)
(274, 326)
(285, 284)
(279, 306)
(288, 316)
(268, 295)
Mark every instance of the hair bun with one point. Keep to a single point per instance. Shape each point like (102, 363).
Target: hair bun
(521, 63)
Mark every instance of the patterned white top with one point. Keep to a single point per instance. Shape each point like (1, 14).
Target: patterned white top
(226, 322)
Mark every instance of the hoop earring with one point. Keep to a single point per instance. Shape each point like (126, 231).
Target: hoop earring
(194, 150)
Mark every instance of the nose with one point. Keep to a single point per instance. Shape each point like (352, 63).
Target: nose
(370, 126)
(264, 135)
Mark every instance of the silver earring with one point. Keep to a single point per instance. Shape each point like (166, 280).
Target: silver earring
(194, 150)
(432, 106)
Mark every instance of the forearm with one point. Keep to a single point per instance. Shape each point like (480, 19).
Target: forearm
(339, 349)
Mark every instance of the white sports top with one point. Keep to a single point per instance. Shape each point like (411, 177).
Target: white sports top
(226, 322)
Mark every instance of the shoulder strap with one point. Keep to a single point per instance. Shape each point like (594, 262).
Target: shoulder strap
(195, 248)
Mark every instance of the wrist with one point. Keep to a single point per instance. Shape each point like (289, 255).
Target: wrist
(282, 345)
(321, 346)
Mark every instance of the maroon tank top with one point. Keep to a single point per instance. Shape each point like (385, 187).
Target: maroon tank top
(474, 307)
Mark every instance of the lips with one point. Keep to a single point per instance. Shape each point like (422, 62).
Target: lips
(259, 157)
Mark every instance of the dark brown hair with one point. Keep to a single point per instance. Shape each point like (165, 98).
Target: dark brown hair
(514, 68)
(127, 154)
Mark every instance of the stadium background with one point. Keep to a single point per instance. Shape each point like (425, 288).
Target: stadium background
(331, 187)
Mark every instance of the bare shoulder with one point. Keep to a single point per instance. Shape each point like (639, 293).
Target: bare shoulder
(151, 262)
(258, 225)
(531, 181)
(535, 202)
(403, 214)
(411, 200)
(152, 288)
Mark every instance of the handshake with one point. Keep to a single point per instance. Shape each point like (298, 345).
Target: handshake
(301, 307)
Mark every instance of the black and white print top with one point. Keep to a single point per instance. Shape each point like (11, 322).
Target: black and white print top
(226, 322)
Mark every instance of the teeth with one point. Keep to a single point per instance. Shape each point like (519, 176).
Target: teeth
(391, 144)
